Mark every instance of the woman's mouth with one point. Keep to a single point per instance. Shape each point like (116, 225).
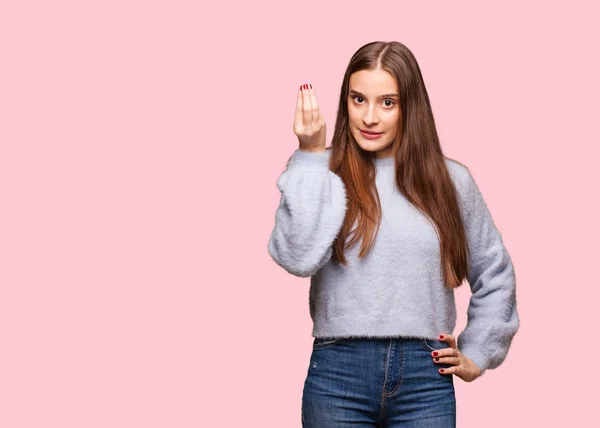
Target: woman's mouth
(370, 135)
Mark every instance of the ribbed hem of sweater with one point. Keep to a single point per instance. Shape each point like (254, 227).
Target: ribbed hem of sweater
(365, 326)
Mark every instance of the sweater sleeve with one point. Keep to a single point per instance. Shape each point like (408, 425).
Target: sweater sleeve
(310, 214)
(492, 318)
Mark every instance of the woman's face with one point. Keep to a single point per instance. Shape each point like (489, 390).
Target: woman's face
(374, 105)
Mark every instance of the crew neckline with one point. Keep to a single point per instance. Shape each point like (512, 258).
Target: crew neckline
(384, 161)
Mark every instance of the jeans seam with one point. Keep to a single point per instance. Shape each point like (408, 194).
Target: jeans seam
(401, 370)
(383, 393)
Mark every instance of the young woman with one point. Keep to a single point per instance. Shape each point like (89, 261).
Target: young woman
(383, 312)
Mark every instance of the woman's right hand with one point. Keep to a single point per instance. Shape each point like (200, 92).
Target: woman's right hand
(309, 123)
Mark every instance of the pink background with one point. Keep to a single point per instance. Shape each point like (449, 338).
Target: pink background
(140, 146)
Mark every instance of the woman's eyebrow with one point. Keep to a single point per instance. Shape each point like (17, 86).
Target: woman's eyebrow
(353, 92)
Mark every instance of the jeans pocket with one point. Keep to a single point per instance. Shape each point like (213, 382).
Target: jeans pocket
(433, 344)
(324, 342)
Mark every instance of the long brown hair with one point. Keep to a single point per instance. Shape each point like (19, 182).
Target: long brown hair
(421, 174)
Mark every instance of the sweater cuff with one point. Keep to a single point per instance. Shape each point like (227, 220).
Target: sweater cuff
(477, 357)
(310, 158)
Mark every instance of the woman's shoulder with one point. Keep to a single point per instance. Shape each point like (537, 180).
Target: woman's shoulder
(460, 173)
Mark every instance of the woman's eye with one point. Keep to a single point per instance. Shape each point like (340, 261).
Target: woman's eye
(387, 99)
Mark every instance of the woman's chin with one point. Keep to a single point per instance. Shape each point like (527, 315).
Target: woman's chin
(371, 146)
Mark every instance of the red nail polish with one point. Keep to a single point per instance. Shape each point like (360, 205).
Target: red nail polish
(435, 354)
(441, 336)
(300, 87)
(442, 370)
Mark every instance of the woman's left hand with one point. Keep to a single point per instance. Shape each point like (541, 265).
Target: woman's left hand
(463, 367)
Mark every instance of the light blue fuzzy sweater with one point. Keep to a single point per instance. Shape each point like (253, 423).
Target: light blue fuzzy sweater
(397, 290)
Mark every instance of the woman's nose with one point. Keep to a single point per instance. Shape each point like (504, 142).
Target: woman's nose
(370, 117)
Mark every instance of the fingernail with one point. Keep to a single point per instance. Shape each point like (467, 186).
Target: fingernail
(310, 86)
(435, 354)
(442, 370)
(441, 336)
(305, 86)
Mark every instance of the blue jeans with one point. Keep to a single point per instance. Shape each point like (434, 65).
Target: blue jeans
(380, 382)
